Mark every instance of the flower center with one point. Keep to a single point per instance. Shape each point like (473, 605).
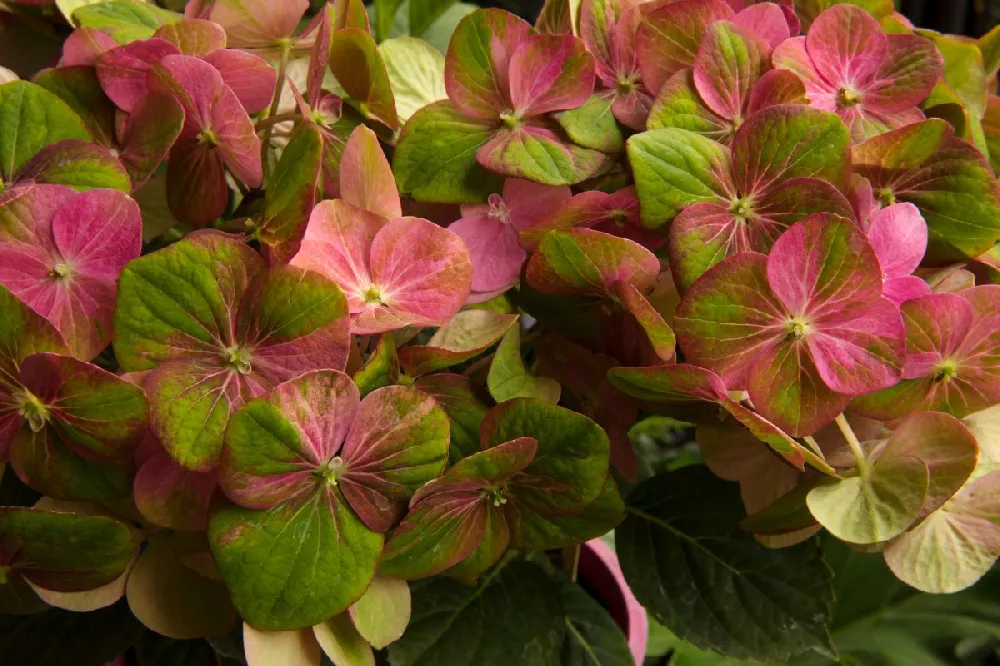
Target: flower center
(498, 209)
(32, 410)
(237, 359)
(848, 97)
(798, 328)
(331, 470)
(619, 218)
(494, 495)
(945, 370)
(625, 85)
(510, 119)
(207, 137)
(741, 208)
(60, 271)
(886, 196)
(373, 296)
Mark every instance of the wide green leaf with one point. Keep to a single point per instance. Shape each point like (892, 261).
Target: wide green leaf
(593, 125)
(63, 551)
(509, 378)
(416, 74)
(592, 637)
(435, 157)
(295, 565)
(689, 563)
(125, 20)
(31, 118)
(513, 616)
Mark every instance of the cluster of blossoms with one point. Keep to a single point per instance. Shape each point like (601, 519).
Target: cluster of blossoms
(261, 371)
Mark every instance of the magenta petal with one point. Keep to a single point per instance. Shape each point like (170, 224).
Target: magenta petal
(257, 23)
(172, 496)
(122, 71)
(937, 327)
(248, 75)
(779, 86)
(196, 183)
(337, 244)
(910, 71)
(149, 134)
(550, 73)
(98, 232)
(899, 235)
(766, 21)
(422, 272)
(477, 65)
(193, 37)
(727, 68)
(847, 46)
(323, 405)
(84, 46)
(791, 55)
(529, 202)
(238, 139)
(493, 247)
(899, 290)
(824, 265)
(366, 179)
(863, 353)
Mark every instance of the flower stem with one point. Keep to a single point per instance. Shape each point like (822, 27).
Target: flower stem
(264, 123)
(813, 445)
(864, 467)
(279, 85)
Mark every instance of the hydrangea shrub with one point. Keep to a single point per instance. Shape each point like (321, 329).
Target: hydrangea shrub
(337, 345)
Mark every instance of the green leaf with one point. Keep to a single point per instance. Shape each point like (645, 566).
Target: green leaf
(80, 88)
(416, 74)
(342, 643)
(385, 13)
(593, 125)
(381, 369)
(295, 565)
(535, 530)
(435, 157)
(381, 615)
(125, 20)
(689, 563)
(356, 63)
(468, 334)
(513, 616)
(508, 378)
(57, 637)
(592, 637)
(63, 551)
(31, 118)
(459, 398)
(291, 192)
(423, 13)
(77, 164)
(674, 168)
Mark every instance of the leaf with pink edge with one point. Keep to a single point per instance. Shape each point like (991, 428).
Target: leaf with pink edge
(31, 118)
(314, 432)
(679, 105)
(355, 61)
(952, 357)
(224, 334)
(397, 273)
(549, 73)
(171, 496)
(62, 551)
(726, 70)
(77, 164)
(249, 76)
(616, 213)
(80, 88)
(809, 318)
(593, 125)
(536, 151)
(466, 336)
(571, 465)
(149, 134)
(670, 35)
(658, 341)
(435, 158)
(62, 255)
(991, 130)
(462, 402)
(954, 546)
(122, 71)
(945, 177)
(365, 177)
(193, 37)
(217, 131)
(257, 23)
(83, 46)
(453, 516)
(584, 261)
(477, 78)
(291, 195)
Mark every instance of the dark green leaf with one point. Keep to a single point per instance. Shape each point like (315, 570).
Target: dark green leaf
(592, 637)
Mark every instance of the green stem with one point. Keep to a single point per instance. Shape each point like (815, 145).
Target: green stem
(864, 467)
(279, 85)
(264, 123)
(813, 445)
